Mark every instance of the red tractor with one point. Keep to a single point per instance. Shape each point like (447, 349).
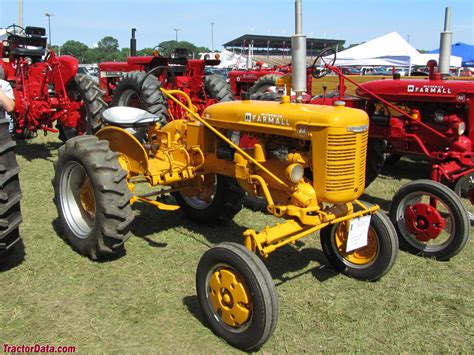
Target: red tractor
(432, 118)
(260, 82)
(137, 83)
(47, 88)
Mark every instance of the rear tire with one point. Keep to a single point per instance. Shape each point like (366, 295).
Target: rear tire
(218, 88)
(147, 96)
(375, 159)
(92, 198)
(264, 83)
(418, 223)
(237, 296)
(223, 205)
(10, 193)
(368, 263)
(464, 187)
(84, 89)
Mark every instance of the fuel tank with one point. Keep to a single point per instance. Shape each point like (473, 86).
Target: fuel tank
(283, 119)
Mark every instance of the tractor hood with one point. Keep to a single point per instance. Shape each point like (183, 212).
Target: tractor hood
(286, 119)
(419, 90)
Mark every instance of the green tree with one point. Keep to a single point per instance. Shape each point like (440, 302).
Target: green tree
(75, 48)
(145, 51)
(109, 44)
(167, 48)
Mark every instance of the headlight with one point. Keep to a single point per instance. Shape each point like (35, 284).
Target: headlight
(295, 173)
(461, 128)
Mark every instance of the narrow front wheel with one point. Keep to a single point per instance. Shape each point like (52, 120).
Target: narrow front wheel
(237, 296)
(369, 262)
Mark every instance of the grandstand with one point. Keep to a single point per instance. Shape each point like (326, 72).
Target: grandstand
(276, 50)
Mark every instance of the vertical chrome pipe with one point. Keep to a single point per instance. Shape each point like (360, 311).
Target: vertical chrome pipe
(446, 40)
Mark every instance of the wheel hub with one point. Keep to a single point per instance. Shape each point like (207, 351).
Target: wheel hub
(229, 297)
(87, 197)
(359, 256)
(424, 221)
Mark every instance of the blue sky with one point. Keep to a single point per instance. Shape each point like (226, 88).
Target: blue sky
(354, 21)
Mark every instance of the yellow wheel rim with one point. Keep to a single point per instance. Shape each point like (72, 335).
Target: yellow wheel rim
(229, 297)
(87, 197)
(361, 256)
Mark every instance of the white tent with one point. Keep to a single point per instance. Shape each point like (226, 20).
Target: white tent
(423, 58)
(390, 49)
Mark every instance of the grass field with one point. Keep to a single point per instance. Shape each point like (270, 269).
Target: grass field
(146, 301)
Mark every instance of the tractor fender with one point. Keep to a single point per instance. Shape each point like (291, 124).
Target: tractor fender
(122, 142)
(68, 68)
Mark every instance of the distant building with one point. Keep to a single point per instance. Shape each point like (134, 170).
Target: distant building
(278, 45)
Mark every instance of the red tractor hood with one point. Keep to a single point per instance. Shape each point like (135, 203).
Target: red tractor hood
(419, 90)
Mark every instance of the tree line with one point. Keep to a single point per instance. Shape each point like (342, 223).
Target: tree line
(107, 50)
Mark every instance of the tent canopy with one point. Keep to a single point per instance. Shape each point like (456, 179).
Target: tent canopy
(390, 49)
(464, 50)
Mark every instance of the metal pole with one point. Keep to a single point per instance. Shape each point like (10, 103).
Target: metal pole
(176, 30)
(20, 13)
(445, 44)
(212, 36)
(49, 26)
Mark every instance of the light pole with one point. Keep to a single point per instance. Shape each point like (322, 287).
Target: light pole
(20, 13)
(176, 30)
(47, 14)
(212, 36)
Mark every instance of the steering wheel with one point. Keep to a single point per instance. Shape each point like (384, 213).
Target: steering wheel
(15, 30)
(158, 51)
(322, 71)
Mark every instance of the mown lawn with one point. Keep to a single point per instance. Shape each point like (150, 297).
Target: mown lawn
(146, 300)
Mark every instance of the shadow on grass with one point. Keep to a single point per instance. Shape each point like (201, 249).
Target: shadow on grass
(149, 220)
(13, 258)
(192, 303)
(32, 151)
(292, 259)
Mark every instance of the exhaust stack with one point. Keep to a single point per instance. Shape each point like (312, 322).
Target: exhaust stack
(298, 54)
(133, 44)
(445, 44)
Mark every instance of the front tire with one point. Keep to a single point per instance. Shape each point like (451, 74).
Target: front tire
(237, 296)
(368, 263)
(92, 198)
(430, 220)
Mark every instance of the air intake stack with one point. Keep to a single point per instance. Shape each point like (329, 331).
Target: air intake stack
(445, 44)
(298, 54)
(133, 44)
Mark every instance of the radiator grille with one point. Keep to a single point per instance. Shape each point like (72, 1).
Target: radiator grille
(343, 170)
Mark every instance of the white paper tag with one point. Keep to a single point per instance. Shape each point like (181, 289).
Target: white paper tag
(358, 230)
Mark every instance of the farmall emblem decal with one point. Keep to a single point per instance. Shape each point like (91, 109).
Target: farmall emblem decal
(269, 118)
(429, 89)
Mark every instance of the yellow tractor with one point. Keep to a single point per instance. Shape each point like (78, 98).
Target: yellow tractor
(308, 163)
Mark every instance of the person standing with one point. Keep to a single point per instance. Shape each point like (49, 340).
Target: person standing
(7, 98)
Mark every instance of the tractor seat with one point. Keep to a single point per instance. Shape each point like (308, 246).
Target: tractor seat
(128, 117)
